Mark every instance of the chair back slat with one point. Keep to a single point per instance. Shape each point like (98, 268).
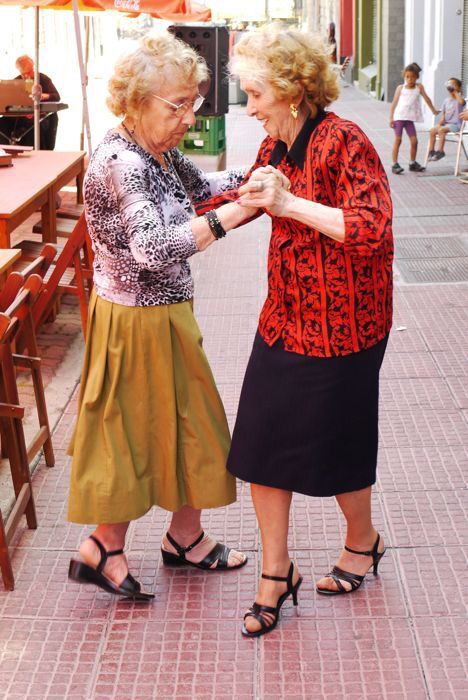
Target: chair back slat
(13, 284)
(41, 264)
(71, 255)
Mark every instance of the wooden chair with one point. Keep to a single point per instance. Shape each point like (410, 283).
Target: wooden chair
(71, 273)
(65, 226)
(36, 264)
(18, 338)
(343, 68)
(11, 419)
(66, 214)
(70, 211)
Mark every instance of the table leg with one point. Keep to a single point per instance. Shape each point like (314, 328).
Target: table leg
(49, 218)
(4, 234)
(79, 186)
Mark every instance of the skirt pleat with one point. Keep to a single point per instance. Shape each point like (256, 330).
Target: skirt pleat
(151, 428)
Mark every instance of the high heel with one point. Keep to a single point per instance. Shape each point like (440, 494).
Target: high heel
(83, 573)
(262, 613)
(355, 580)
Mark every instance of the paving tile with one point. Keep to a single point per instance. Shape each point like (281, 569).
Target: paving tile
(439, 298)
(452, 361)
(379, 596)
(317, 523)
(188, 594)
(423, 468)
(341, 659)
(48, 659)
(459, 388)
(42, 589)
(426, 518)
(192, 660)
(413, 429)
(411, 393)
(442, 643)
(409, 340)
(409, 364)
(443, 339)
(434, 579)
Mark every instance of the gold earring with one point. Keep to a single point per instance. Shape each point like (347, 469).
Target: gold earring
(293, 110)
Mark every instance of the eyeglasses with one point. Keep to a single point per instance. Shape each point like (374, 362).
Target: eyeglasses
(182, 109)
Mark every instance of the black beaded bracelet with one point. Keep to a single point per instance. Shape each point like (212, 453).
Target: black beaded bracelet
(215, 224)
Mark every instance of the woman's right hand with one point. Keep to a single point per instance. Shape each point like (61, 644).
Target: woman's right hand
(260, 175)
(392, 124)
(267, 190)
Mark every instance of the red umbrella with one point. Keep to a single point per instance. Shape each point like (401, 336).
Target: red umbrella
(171, 10)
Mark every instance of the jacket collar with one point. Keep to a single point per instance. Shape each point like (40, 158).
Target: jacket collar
(298, 150)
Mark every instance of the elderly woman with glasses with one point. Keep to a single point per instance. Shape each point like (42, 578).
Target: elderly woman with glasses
(151, 429)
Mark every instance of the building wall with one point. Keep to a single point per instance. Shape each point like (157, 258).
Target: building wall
(393, 47)
(434, 35)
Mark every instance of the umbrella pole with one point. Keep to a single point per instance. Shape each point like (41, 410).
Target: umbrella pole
(86, 60)
(37, 97)
(79, 49)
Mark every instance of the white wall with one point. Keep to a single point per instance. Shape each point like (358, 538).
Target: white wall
(433, 38)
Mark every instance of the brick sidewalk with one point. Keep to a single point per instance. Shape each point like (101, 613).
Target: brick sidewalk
(404, 634)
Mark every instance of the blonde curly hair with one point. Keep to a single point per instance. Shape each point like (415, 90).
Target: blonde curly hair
(142, 72)
(289, 60)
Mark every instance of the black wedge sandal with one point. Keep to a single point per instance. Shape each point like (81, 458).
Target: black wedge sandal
(260, 612)
(219, 553)
(83, 573)
(354, 580)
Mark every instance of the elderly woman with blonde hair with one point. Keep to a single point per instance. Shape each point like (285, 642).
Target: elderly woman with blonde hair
(151, 429)
(308, 411)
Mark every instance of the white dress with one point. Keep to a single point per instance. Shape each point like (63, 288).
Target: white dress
(409, 106)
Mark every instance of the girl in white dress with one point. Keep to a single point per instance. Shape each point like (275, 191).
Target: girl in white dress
(406, 109)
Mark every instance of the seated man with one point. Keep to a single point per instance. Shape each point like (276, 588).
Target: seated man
(22, 127)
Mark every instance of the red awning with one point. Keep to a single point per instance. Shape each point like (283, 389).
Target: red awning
(172, 10)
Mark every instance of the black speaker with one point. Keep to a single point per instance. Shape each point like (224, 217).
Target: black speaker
(212, 43)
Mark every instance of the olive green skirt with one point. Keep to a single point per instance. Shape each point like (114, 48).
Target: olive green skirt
(151, 429)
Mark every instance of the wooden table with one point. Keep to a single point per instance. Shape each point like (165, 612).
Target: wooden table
(32, 183)
(7, 258)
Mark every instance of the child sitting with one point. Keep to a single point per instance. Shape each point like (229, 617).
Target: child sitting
(450, 118)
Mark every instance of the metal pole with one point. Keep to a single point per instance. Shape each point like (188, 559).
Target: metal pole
(79, 49)
(36, 97)
(86, 59)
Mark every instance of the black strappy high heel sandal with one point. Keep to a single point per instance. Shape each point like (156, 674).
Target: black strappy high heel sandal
(219, 554)
(259, 612)
(83, 573)
(353, 579)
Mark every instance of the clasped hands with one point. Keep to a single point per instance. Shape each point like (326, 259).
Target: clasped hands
(267, 189)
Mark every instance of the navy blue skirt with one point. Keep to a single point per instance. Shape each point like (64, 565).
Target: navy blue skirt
(308, 424)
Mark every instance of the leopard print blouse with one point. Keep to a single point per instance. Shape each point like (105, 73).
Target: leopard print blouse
(138, 216)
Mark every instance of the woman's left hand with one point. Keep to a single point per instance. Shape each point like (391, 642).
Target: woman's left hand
(267, 189)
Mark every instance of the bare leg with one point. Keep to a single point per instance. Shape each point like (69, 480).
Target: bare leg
(432, 137)
(272, 510)
(396, 148)
(112, 537)
(442, 134)
(360, 535)
(185, 527)
(413, 147)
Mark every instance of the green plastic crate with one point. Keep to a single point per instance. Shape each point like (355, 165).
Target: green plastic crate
(207, 135)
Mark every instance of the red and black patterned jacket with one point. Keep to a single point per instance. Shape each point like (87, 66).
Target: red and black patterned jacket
(327, 298)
